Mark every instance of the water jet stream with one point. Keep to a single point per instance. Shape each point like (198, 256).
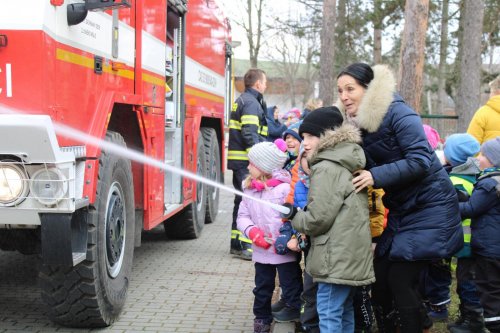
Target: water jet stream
(133, 155)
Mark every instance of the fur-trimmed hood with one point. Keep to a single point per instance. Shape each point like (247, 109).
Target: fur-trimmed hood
(378, 96)
(341, 146)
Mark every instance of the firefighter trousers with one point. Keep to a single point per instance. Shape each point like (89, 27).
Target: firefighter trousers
(238, 241)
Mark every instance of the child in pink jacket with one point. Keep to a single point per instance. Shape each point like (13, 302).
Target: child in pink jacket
(261, 223)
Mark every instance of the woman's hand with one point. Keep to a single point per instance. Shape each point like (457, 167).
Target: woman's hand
(293, 244)
(362, 179)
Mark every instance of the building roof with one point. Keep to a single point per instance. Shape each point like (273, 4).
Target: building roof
(270, 67)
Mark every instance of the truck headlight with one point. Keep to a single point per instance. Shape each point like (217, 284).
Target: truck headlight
(13, 184)
(48, 186)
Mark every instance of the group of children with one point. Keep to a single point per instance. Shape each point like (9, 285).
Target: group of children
(312, 170)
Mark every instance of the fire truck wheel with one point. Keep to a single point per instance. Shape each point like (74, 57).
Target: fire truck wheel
(190, 221)
(93, 293)
(212, 153)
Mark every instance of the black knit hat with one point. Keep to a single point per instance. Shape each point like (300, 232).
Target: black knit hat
(361, 72)
(321, 119)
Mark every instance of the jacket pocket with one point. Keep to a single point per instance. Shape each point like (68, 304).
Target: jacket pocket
(318, 257)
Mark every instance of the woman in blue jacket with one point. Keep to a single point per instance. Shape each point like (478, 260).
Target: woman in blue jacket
(274, 128)
(424, 221)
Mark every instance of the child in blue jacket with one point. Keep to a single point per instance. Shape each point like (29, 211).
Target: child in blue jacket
(483, 208)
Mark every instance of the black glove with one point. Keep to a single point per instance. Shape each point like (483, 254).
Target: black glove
(292, 211)
(463, 196)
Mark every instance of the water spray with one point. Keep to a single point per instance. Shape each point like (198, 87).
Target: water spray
(136, 156)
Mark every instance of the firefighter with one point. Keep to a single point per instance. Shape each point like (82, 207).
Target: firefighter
(247, 126)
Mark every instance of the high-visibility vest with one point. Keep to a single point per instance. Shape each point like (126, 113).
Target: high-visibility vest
(468, 186)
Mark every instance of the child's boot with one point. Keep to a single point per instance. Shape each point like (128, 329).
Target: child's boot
(438, 312)
(287, 314)
(385, 320)
(261, 326)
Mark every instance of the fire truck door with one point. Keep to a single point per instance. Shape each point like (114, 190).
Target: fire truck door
(93, 57)
(174, 104)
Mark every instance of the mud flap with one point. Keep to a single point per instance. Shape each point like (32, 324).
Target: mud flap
(64, 238)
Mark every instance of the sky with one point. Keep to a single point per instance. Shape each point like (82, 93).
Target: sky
(233, 9)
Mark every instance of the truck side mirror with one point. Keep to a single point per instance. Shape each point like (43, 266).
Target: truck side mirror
(76, 13)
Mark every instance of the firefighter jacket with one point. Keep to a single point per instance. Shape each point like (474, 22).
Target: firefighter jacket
(247, 126)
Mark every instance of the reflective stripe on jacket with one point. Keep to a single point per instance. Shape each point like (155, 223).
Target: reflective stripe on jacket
(247, 126)
(462, 183)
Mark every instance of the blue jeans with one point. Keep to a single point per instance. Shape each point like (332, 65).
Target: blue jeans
(466, 288)
(335, 307)
(435, 282)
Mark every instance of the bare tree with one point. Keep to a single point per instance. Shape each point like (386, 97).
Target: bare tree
(249, 16)
(412, 52)
(468, 97)
(254, 38)
(288, 62)
(326, 72)
(441, 100)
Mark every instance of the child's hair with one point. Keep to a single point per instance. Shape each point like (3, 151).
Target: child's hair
(263, 178)
(313, 104)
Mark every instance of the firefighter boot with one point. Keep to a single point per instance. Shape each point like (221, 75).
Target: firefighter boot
(246, 248)
(470, 321)
(240, 245)
(385, 320)
(235, 242)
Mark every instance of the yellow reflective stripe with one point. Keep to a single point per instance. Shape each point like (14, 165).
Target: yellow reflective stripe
(467, 238)
(234, 124)
(263, 130)
(235, 234)
(245, 240)
(465, 183)
(250, 120)
(240, 155)
(466, 229)
(235, 107)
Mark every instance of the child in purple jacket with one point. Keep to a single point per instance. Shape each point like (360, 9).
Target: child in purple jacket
(261, 223)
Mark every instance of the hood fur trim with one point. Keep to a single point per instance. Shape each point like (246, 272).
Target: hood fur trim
(345, 133)
(377, 98)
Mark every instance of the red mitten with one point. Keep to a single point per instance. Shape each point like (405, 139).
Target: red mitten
(258, 238)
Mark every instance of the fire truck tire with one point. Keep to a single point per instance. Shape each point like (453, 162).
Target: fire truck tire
(214, 172)
(92, 293)
(189, 223)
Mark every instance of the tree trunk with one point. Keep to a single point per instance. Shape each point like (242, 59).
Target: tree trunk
(442, 97)
(341, 32)
(377, 31)
(412, 52)
(326, 63)
(469, 93)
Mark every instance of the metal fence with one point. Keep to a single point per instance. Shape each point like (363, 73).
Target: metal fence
(444, 124)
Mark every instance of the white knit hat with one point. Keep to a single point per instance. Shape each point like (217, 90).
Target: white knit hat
(268, 156)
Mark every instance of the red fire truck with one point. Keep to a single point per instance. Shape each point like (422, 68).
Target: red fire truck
(148, 75)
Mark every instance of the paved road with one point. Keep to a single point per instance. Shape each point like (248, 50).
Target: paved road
(177, 286)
